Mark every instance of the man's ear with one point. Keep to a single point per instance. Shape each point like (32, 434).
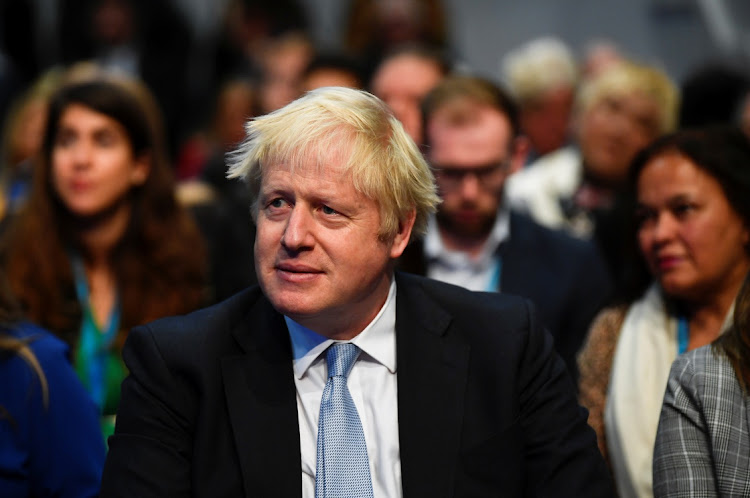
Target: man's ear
(519, 152)
(401, 239)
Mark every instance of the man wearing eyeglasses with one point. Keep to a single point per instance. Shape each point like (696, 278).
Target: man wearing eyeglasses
(475, 240)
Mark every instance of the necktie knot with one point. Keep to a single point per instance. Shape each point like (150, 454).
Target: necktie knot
(340, 358)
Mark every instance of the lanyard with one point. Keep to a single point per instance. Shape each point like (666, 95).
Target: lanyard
(94, 342)
(683, 334)
(494, 285)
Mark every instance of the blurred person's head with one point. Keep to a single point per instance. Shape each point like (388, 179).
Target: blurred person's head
(22, 139)
(114, 22)
(713, 94)
(235, 104)
(403, 78)
(617, 113)
(473, 145)
(542, 76)
(283, 62)
(332, 69)
(693, 211)
(375, 27)
(96, 152)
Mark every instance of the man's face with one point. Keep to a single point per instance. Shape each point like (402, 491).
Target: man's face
(318, 256)
(472, 158)
(612, 131)
(402, 82)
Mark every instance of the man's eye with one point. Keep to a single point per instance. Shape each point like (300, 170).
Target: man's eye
(277, 203)
(328, 210)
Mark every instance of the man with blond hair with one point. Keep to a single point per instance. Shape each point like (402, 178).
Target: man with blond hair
(337, 376)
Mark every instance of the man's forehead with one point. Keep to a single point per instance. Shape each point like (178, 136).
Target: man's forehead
(307, 169)
(469, 127)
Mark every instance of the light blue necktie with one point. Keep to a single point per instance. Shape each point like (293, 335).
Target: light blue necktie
(343, 469)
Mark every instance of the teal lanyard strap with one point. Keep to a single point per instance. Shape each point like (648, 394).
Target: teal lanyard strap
(94, 344)
(683, 334)
(494, 285)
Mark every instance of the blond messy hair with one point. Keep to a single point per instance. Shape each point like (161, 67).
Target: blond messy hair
(328, 123)
(633, 77)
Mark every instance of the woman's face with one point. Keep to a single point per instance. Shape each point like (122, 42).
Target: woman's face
(93, 166)
(694, 242)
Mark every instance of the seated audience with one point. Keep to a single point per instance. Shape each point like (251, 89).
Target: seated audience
(703, 441)
(102, 245)
(577, 188)
(50, 442)
(692, 214)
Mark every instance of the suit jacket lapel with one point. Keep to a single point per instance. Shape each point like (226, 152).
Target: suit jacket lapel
(432, 370)
(261, 401)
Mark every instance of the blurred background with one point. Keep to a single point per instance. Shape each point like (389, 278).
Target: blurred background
(186, 50)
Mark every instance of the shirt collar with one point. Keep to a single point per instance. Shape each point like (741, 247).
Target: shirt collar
(434, 248)
(377, 340)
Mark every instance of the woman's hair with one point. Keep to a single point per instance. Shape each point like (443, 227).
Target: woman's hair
(159, 263)
(628, 77)
(735, 343)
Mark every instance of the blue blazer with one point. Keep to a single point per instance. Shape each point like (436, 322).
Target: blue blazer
(485, 406)
(55, 449)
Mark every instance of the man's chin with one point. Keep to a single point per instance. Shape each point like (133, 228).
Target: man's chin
(469, 225)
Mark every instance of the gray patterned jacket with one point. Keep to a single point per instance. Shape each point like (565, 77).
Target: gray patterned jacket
(703, 443)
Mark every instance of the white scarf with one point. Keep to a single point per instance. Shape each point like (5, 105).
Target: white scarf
(646, 348)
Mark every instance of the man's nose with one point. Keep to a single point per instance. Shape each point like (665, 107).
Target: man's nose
(470, 185)
(298, 233)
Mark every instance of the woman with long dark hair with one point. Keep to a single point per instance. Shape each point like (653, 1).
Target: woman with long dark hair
(103, 245)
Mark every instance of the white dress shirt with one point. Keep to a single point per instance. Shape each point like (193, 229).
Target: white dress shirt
(480, 273)
(372, 383)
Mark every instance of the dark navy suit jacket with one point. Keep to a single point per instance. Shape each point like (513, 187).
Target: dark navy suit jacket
(485, 405)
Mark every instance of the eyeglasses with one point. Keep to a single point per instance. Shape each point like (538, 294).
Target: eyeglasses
(487, 176)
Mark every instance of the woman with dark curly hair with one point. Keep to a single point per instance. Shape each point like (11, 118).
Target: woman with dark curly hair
(102, 245)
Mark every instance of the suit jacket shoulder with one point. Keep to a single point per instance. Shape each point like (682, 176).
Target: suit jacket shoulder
(479, 369)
